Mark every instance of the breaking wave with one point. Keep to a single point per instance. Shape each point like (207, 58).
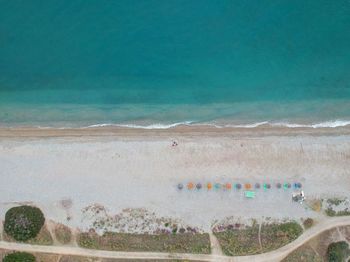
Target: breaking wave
(326, 124)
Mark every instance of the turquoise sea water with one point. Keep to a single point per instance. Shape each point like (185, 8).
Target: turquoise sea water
(156, 63)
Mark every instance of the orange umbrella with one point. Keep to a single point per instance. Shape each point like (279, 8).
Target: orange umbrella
(209, 186)
(248, 186)
(190, 185)
(228, 186)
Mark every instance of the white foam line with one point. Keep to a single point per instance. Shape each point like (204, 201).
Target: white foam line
(325, 124)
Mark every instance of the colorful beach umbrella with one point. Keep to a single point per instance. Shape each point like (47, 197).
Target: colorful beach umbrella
(238, 186)
(199, 186)
(257, 185)
(247, 186)
(228, 186)
(209, 186)
(286, 185)
(297, 185)
(180, 186)
(266, 186)
(190, 185)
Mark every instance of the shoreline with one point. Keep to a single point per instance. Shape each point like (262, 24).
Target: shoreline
(183, 130)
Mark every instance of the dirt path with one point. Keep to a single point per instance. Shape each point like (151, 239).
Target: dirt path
(276, 255)
(259, 235)
(215, 246)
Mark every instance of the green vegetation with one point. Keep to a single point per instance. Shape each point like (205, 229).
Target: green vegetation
(19, 257)
(338, 251)
(42, 238)
(333, 209)
(335, 201)
(24, 222)
(179, 243)
(236, 242)
(274, 236)
(309, 222)
(63, 234)
(332, 213)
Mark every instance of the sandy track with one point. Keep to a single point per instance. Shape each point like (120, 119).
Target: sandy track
(276, 255)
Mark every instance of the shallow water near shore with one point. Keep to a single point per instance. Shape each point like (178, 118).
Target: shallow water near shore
(159, 64)
(316, 114)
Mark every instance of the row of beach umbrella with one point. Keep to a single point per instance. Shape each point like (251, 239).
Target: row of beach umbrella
(238, 186)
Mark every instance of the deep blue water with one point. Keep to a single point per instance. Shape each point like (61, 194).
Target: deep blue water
(84, 62)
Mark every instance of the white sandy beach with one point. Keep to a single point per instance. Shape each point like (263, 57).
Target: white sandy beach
(142, 171)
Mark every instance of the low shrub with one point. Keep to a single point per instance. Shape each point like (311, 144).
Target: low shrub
(19, 257)
(23, 222)
(338, 251)
(309, 222)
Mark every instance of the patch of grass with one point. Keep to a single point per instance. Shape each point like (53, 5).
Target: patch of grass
(92, 259)
(332, 213)
(338, 251)
(19, 257)
(335, 201)
(303, 254)
(63, 234)
(43, 238)
(44, 257)
(177, 243)
(309, 222)
(78, 259)
(274, 236)
(23, 222)
(236, 242)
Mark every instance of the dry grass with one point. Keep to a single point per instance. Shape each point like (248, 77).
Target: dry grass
(274, 236)
(345, 230)
(236, 242)
(91, 259)
(179, 243)
(78, 259)
(41, 257)
(316, 248)
(63, 233)
(303, 254)
(315, 204)
(321, 242)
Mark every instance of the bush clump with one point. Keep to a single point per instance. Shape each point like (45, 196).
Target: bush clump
(338, 251)
(19, 257)
(23, 222)
(309, 222)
